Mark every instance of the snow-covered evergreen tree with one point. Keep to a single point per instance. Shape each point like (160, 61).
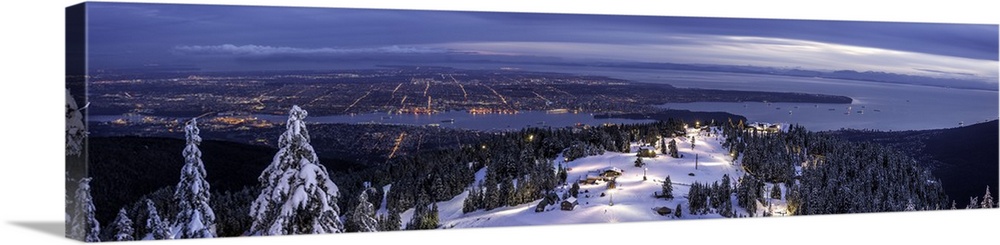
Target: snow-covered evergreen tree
(389, 222)
(362, 218)
(70, 208)
(663, 146)
(723, 195)
(75, 129)
(561, 175)
(672, 149)
(154, 224)
(667, 188)
(297, 196)
(195, 218)
(437, 188)
(910, 206)
(433, 216)
(473, 201)
(973, 203)
(123, 227)
(423, 218)
(84, 225)
(987, 199)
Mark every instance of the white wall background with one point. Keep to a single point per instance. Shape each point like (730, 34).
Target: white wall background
(31, 140)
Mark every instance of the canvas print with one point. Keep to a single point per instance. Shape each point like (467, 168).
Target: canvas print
(202, 121)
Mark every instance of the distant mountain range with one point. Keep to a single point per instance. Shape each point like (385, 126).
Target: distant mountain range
(871, 76)
(948, 79)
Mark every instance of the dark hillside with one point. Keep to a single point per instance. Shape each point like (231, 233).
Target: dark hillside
(969, 159)
(964, 158)
(125, 168)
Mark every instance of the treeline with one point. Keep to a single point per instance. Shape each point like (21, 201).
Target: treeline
(711, 198)
(835, 176)
(947, 153)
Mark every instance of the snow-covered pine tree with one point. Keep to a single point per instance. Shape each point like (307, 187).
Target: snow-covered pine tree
(473, 201)
(663, 146)
(195, 218)
(667, 188)
(75, 129)
(910, 206)
(423, 218)
(69, 207)
(574, 190)
(672, 148)
(389, 222)
(561, 174)
(362, 218)
(84, 225)
(491, 192)
(154, 224)
(437, 188)
(297, 196)
(506, 192)
(973, 203)
(724, 195)
(123, 227)
(987, 199)
(433, 216)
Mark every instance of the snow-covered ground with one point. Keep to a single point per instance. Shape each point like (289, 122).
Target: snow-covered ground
(382, 209)
(632, 199)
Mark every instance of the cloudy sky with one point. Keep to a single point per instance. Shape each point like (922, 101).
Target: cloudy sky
(124, 36)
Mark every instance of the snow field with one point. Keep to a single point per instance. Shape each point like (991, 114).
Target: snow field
(633, 198)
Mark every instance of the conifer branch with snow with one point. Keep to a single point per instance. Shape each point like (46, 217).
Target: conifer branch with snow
(297, 195)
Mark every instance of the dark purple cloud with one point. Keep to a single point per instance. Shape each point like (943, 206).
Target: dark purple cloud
(124, 34)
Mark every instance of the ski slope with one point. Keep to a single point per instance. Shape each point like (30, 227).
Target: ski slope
(632, 199)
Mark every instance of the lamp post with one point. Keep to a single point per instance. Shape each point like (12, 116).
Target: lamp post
(611, 197)
(644, 173)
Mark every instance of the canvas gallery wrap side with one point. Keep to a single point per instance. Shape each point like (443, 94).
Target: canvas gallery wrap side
(202, 121)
